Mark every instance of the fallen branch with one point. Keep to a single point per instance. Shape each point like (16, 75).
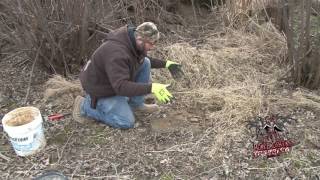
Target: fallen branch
(4, 157)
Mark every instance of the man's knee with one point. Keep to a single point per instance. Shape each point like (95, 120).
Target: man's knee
(84, 106)
(125, 125)
(124, 122)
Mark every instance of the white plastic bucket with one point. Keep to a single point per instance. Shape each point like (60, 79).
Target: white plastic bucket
(24, 127)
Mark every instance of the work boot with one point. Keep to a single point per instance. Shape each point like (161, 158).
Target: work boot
(77, 109)
(147, 108)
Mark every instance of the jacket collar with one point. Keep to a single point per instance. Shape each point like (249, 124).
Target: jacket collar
(132, 38)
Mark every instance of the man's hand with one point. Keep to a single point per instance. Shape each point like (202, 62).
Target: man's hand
(175, 69)
(161, 92)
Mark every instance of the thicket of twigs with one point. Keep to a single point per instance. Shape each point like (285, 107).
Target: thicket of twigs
(53, 32)
(61, 35)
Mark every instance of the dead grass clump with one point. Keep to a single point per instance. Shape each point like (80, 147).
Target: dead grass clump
(235, 59)
(301, 98)
(61, 91)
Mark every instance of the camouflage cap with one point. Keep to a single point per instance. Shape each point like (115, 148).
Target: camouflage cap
(148, 30)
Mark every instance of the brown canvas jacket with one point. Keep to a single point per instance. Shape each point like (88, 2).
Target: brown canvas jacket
(113, 67)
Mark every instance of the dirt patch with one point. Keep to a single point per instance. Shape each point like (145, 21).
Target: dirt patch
(175, 121)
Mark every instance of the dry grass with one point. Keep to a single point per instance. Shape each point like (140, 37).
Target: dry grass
(61, 92)
(58, 85)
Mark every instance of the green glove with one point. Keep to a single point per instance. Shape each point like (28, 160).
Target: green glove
(175, 69)
(161, 92)
(169, 63)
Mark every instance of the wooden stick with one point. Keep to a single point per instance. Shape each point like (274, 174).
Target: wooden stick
(4, 157)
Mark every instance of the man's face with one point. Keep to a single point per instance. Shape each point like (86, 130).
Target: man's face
(145, 44)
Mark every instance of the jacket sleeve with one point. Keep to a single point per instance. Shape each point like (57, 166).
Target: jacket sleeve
(157, 63)
(118, 72)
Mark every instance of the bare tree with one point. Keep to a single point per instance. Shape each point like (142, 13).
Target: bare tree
(303, 53)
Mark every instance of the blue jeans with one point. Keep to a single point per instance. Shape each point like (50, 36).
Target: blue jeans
(116, 111)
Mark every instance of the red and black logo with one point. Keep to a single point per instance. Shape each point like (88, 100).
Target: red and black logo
(271, 136)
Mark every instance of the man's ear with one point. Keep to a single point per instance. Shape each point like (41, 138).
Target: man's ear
(139, 38)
